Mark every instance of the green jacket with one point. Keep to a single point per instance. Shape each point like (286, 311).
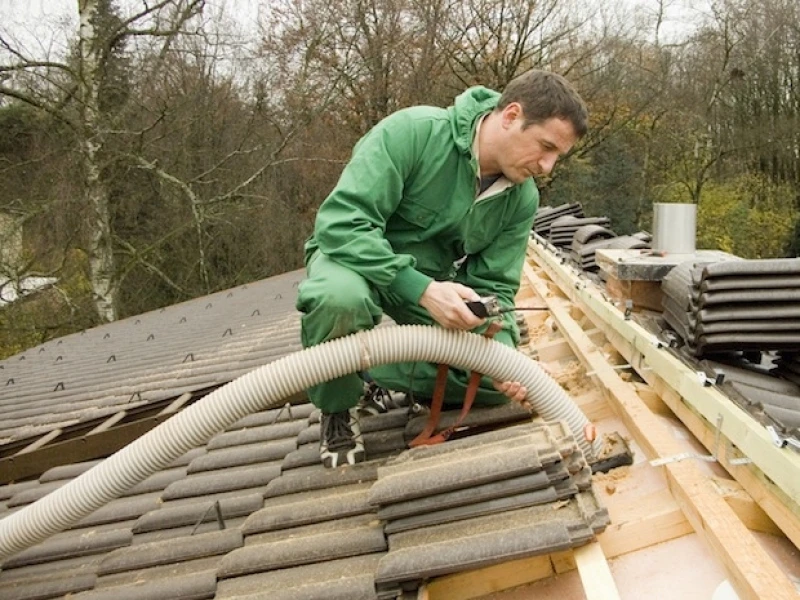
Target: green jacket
(405, 207)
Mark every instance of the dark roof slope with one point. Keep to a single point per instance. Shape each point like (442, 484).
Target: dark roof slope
(155, 356)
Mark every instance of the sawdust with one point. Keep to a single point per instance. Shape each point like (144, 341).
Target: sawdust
(615, 474)
(572, 377)
(536, 334)
(610, 446)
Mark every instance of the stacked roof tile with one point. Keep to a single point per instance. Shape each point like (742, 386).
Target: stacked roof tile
(743, 305)
(591, 238)
(772, 399)
(547, 214)
(563, 229)
(474, 502)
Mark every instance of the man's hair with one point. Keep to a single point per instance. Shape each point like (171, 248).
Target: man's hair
(544, 95)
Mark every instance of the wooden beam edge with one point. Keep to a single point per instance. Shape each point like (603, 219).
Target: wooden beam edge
(778, 464)
(598, 583)
(755, 574)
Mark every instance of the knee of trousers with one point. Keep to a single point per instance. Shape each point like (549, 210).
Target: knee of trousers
(336, 300)
(333, 311)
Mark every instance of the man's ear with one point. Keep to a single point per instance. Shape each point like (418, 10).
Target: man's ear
(510, 113)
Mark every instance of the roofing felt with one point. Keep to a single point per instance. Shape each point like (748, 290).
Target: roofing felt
(197, 344)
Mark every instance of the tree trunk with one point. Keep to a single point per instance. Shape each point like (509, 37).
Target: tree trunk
(101, 255)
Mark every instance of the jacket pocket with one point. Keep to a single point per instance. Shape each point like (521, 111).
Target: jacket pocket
(416, 213)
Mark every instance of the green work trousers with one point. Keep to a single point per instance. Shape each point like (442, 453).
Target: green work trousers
(335, 302)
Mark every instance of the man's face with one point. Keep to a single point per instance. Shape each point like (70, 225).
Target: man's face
(532, 151)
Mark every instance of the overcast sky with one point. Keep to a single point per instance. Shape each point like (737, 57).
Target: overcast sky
(45, 25)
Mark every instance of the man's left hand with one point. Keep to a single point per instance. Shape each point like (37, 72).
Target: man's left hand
(512, 389)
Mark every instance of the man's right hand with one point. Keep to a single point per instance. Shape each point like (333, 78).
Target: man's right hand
(445, 301)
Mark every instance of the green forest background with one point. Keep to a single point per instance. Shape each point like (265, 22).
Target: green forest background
(167, 152)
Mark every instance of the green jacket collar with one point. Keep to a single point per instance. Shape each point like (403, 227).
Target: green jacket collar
(464, 114)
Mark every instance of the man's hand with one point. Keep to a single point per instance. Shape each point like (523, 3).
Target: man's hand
(445, 301)
(512, 389)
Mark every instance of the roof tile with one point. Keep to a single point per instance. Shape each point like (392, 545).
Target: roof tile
(346, 579)
(171, 551)
(212, 482)
(242, 455)
(169, 517)
(312, 506)
(57, 547)
(295, 550)
(41, 590)
(192, 586)
(491, 539)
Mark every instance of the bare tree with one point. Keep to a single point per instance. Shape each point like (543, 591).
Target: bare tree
(71, 91)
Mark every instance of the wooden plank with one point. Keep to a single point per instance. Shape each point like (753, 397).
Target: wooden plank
(563, 562)
(559, 349)
(748, 510)
(42, 441)
(635, 524)
(779, 464)
(595, 410)
(598, 584)
(479, 582)
(643, 294)
(177, 404)
(754, 574)
(654, 402)
(779, 507)
(553, 350)
(642, 522)
(109, 422)
(86, 447)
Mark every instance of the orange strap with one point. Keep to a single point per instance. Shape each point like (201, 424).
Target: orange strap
(426, 437)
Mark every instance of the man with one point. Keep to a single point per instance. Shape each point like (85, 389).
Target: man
(434, 208)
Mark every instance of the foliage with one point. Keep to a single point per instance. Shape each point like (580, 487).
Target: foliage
(749, 216)
(203, 155)
(605, 183)
(56, 311)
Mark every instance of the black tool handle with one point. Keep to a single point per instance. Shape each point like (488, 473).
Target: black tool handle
(478, 308)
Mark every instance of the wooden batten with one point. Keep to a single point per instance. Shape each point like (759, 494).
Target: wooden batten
(595, 574)
(655, 364)
(753, 572)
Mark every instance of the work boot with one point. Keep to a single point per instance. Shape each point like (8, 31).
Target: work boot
(375, 401)
(340, 441)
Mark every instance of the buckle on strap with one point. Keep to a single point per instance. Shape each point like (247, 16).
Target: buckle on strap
(427, 437)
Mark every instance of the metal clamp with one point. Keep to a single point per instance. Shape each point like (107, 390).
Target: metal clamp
(781, 441)
(682, 456)
(285, 408)
(713, 457)
(719, 378)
